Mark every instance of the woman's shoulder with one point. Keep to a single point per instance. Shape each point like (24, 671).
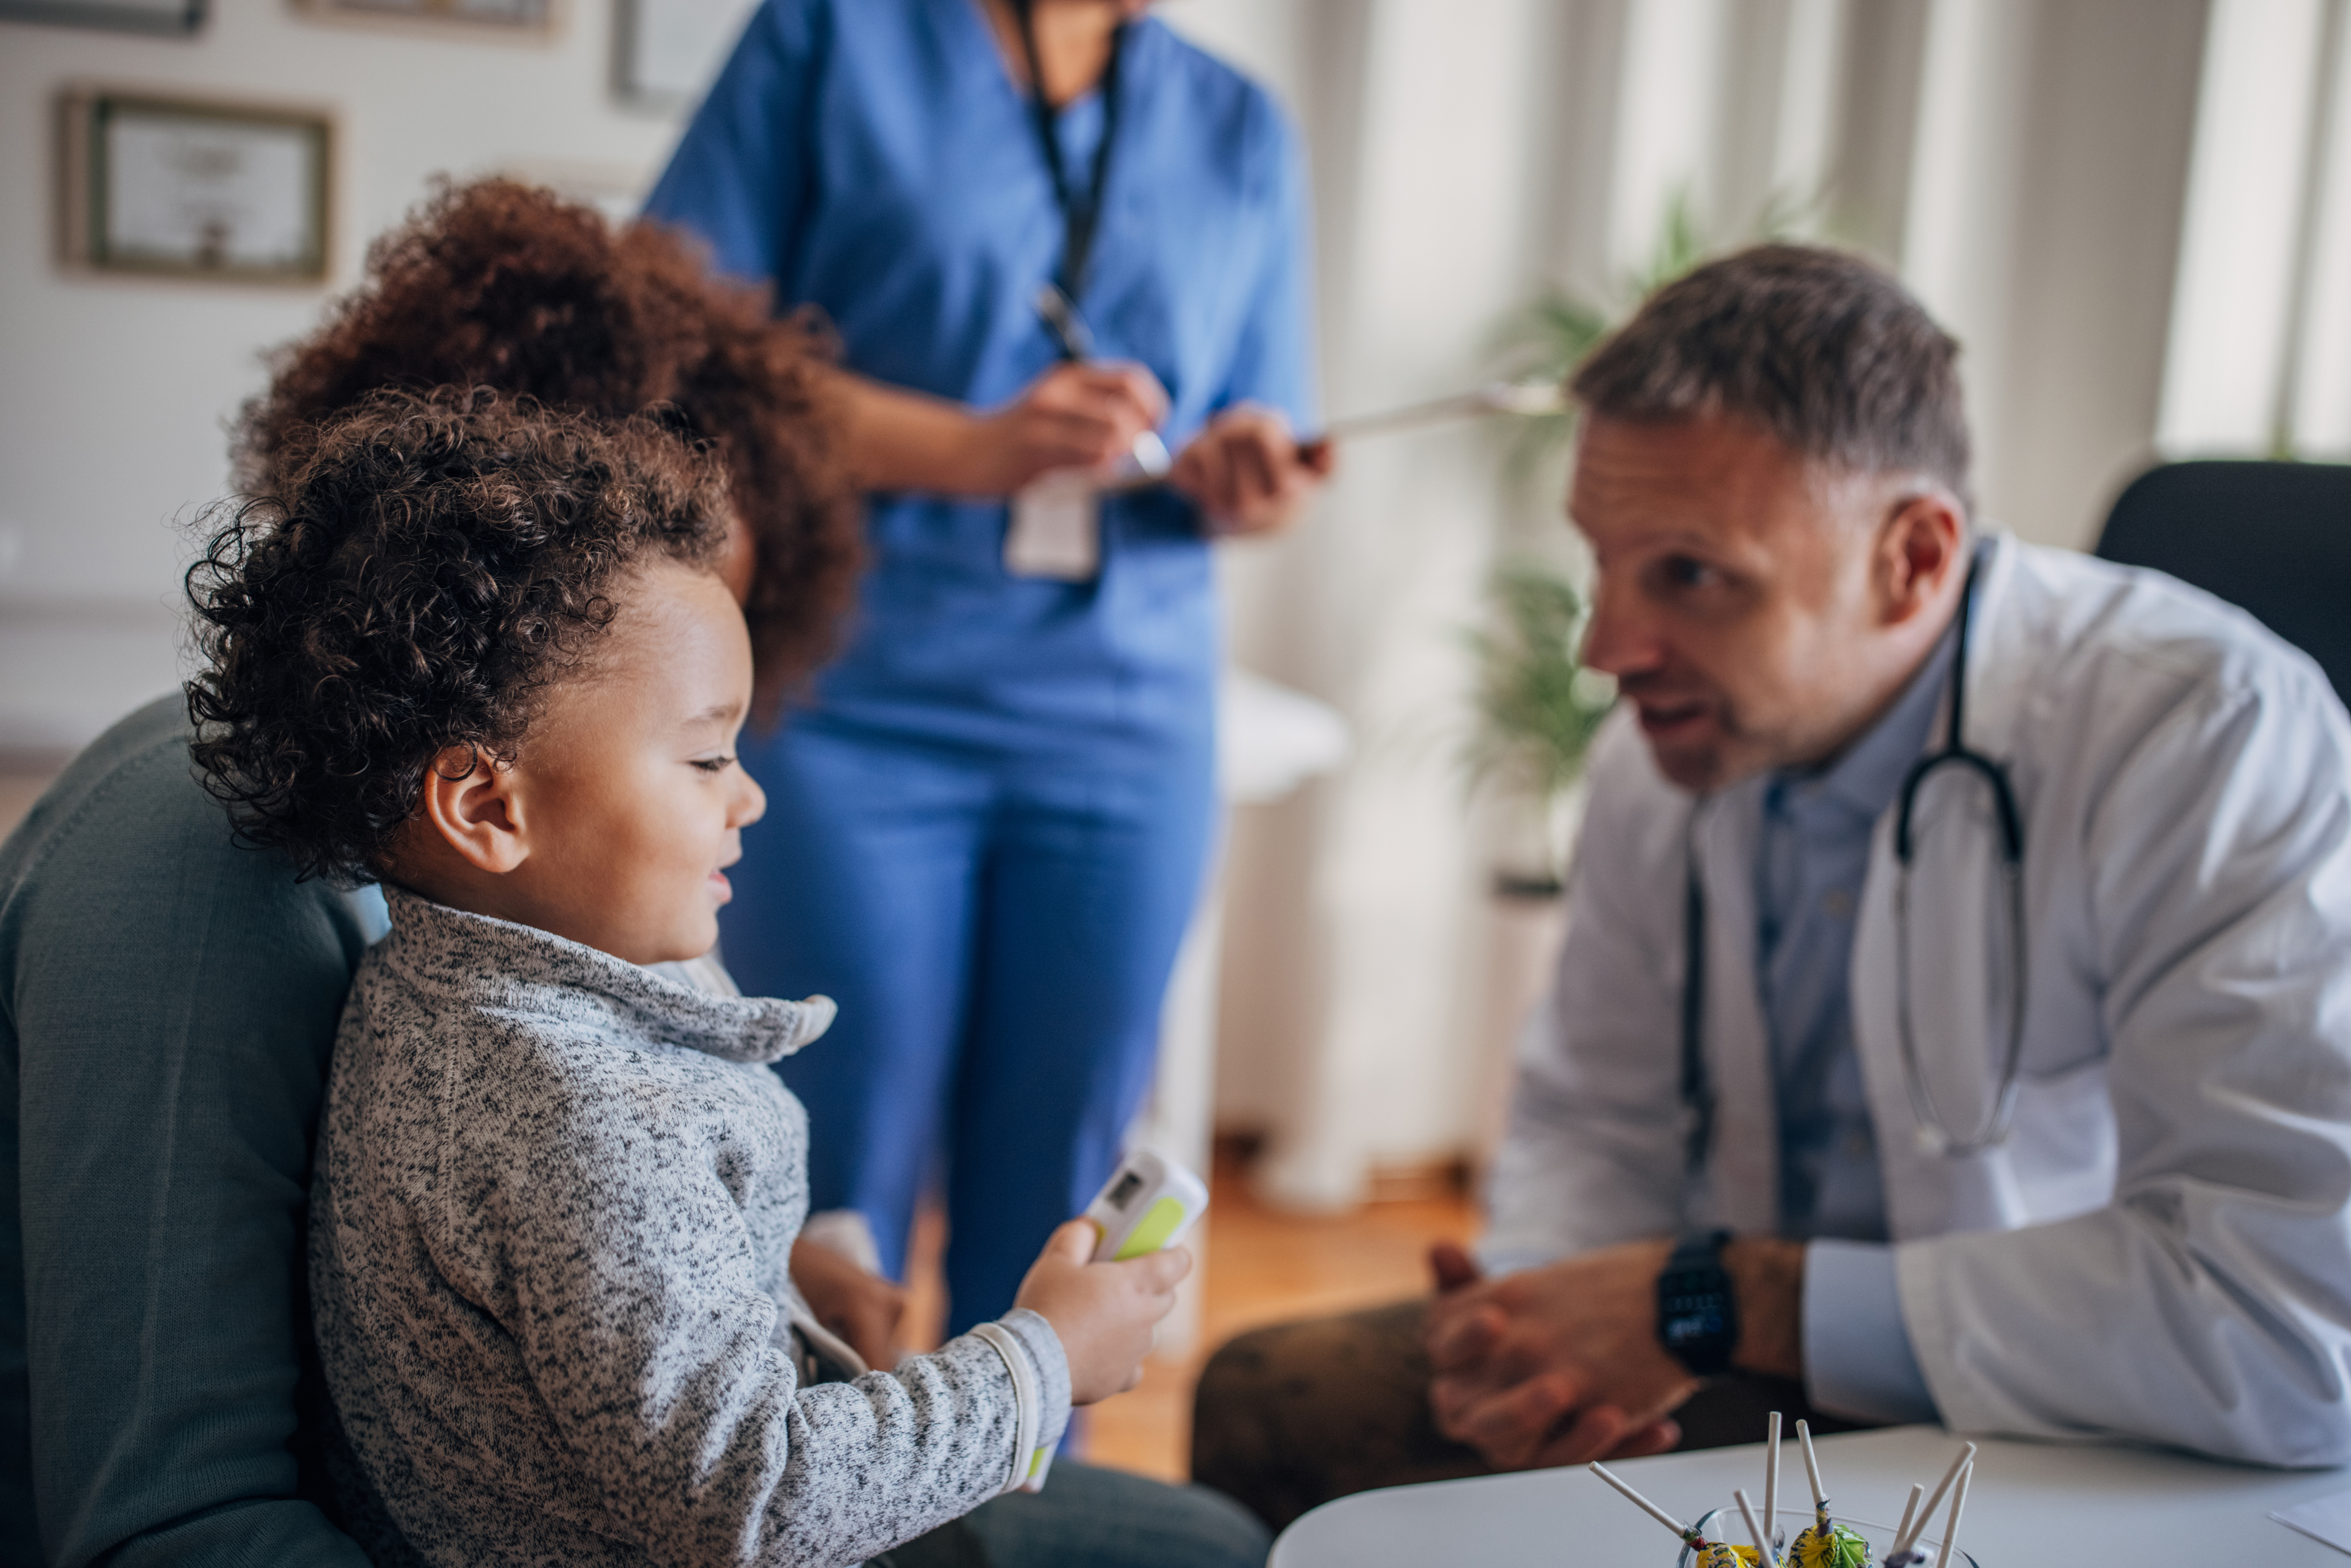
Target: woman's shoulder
(127, 782)
(815, 26)
(125, 854)
(1219, 93)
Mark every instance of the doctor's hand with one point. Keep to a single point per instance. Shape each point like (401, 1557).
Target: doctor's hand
(862, 1308)
(1247, 474)
(1556, 1365)
(1075, 415)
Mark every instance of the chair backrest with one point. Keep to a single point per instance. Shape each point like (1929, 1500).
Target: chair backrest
(2272, 538)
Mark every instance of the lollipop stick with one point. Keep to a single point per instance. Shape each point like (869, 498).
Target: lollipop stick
(1755, 1531)
(1652, 1509)
(1934, 1500)
(1772, 1477)
(1951, 1530)
(1812, 1474)
(1910, 1512)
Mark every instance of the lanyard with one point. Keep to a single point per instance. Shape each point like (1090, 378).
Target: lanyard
(1057, 302)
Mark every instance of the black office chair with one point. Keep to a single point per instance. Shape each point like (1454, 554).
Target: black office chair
(2272, 538)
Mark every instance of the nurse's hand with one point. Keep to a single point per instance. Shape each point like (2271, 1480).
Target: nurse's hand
(1073, 416)
(1076, 415)
(1246, 472)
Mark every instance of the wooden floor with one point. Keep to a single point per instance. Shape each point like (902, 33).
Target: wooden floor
(1260, 1267)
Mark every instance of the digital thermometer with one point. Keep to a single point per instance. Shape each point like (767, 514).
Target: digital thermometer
(1147, 1205)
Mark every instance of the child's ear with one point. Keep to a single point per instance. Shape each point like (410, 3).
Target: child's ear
(471, 804)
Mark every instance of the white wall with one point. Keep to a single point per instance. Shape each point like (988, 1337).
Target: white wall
(2041, 223)
(116, 390)
(2261, 319)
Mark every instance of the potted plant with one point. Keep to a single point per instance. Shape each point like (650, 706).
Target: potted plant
(1537, 710)
(1536, 707)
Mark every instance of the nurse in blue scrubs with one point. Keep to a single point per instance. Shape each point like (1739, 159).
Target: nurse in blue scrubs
(1044, 231)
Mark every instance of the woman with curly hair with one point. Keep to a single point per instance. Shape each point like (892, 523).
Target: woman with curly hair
(499, 283)
(168, 998)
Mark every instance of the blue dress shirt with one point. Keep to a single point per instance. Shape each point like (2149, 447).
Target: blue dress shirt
(1811, 859)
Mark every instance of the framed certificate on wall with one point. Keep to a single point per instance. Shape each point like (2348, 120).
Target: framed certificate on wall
(176, 17)
(511, 19)
(191, 188)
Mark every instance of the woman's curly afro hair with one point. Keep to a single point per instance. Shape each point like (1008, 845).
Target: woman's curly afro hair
(430, 565)
(502, 285)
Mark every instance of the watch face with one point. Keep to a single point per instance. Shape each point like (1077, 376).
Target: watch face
(1692, 1320)
(1695, 1321)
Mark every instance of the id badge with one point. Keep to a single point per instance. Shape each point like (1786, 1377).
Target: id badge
(1056, 528)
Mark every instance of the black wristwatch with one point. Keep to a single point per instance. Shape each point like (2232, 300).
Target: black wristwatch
(1697, 1309)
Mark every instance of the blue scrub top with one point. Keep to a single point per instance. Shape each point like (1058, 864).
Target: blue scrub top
(874, 158)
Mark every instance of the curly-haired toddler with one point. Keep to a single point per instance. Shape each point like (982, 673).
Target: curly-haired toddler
(480, 651)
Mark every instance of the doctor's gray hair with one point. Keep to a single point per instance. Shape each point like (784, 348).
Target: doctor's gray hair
(1819, 347)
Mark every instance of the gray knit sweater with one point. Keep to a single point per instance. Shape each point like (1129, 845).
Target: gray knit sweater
(554, 1198)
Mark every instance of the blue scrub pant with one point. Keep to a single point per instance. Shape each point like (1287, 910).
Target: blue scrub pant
(998, 931)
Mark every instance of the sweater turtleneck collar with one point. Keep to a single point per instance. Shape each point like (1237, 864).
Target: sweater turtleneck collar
(485, 962)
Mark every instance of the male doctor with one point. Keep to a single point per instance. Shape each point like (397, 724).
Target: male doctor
(2062, 1156)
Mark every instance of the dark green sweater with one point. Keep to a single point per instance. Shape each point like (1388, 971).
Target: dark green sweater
(167, 1006)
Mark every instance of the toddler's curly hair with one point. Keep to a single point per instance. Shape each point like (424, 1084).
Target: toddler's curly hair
(429, 566)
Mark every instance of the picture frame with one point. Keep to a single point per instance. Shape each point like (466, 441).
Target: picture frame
(163, 186)
(665, 52)
(170, 18)
(528, 21)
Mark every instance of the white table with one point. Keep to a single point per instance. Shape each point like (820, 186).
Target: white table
(2036, 1504)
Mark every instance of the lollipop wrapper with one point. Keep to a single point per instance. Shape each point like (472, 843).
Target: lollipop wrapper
(1836, 1547)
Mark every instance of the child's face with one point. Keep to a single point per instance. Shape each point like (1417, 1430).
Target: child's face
(627, 800)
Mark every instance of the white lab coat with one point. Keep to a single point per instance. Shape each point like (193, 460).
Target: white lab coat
(2160, 1250)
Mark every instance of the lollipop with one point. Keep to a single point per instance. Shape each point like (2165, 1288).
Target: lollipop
(1837, 1547)
(1826, 1544)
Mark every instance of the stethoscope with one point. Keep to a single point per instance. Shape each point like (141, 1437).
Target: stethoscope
(1934, 1134)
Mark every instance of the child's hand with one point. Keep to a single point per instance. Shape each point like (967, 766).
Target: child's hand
(1103, 1312)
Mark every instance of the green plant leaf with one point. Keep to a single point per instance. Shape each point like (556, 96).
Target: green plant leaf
(1538, 707)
